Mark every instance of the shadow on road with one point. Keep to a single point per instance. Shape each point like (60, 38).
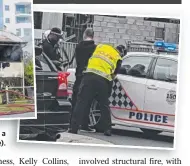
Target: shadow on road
(142, 135)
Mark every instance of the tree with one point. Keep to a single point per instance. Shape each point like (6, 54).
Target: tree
(28, 73)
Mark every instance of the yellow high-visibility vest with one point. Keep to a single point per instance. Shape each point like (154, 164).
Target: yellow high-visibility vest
(103, 61)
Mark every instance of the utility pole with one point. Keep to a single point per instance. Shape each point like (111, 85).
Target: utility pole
(23, 82)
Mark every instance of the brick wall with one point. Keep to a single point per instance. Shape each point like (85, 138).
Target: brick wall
(117, 30)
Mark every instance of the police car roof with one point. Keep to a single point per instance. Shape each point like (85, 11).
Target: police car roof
(170, 56)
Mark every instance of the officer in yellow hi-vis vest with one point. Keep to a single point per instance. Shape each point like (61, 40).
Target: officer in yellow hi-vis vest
(101, 70)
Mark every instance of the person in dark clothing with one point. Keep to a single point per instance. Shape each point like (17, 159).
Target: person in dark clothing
(122, 49)
(50, 46)
(83, 52)
(102, 68)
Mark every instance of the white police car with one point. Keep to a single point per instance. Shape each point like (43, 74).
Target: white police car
(143, 94)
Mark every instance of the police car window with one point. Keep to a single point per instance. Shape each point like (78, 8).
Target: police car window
(165, 70)
(41, 64)
(136, 65)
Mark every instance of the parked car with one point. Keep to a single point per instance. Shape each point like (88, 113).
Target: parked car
(53, 107)
(143, 93)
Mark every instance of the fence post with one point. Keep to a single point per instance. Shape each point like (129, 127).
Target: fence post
(7, 95)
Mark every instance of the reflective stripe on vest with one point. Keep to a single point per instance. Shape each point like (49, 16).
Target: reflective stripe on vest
(99, 73)
(103, 58)
(103, 61)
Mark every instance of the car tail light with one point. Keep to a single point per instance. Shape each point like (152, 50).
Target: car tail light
(62, 84)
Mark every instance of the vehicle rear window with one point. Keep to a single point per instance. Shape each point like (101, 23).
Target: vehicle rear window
(42, 64)
(165, 70)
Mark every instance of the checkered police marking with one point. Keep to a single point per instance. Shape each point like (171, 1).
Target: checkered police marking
(119, 98)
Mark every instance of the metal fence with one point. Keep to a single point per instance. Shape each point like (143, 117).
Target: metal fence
(139, 47)
(37, 41)
(132, 47)
(16, 94)
(145, 47)
(69, 47)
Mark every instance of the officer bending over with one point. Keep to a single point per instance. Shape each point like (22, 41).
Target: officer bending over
(50, 46)
(101, 70)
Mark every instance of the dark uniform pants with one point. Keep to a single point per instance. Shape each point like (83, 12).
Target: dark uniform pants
(74, 100)
(92, 87)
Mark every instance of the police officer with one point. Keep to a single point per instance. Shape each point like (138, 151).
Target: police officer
(83, 52)
(122, 49)
(101, 70)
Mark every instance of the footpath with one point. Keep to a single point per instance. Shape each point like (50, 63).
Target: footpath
(76, 138)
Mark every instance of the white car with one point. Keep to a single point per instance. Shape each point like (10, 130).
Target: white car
(143, 93)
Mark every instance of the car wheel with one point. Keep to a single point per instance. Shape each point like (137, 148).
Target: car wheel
(95, 120)
(150, 132)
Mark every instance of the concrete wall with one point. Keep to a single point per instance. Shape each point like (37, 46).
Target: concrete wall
(117, 30)
(51, 20)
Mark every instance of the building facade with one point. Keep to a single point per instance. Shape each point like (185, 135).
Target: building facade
(110, 29)
(120, 30)
(17, 17)
(72, 25)
(1, 15)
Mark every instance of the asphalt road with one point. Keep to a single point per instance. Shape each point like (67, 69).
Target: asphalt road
(134, 137)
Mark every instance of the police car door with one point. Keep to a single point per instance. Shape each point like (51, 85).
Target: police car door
(129, 87)
(160, 98)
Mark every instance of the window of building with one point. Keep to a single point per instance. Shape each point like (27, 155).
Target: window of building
(18, 32)
(7, 20)
(7, 8)
(159, 33)
(114, 16)
(27, 31)
(167, 20)
(20, 19)
(38, 20)
(23, 9)
(20, 8)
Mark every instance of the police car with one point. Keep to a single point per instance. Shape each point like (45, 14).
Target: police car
(143, 93)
